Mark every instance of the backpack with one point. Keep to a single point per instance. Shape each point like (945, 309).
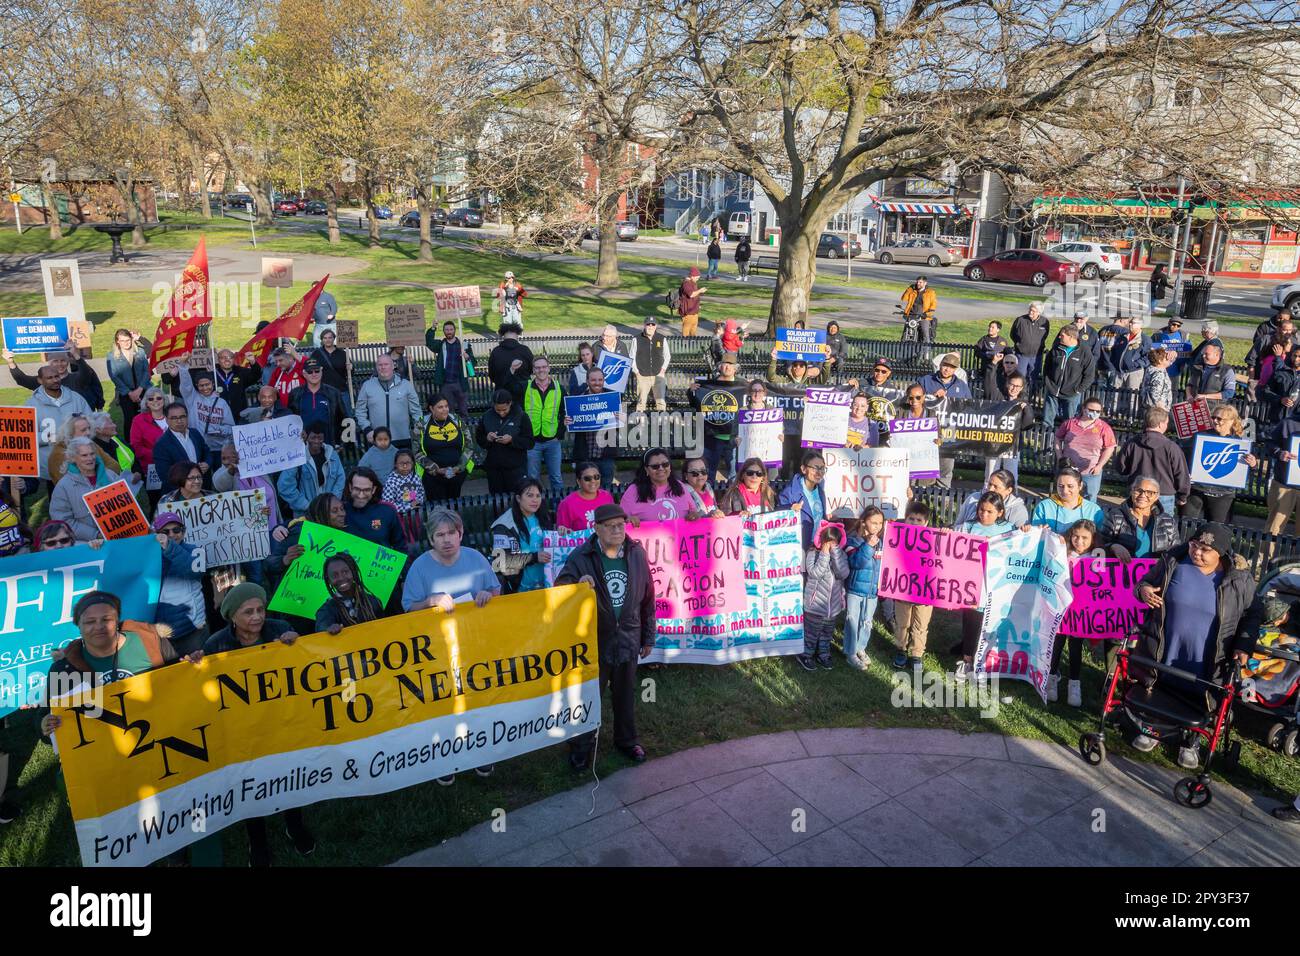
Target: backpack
(674, 299)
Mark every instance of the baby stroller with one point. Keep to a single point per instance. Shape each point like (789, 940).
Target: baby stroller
(1160, 711)
(1271, 680)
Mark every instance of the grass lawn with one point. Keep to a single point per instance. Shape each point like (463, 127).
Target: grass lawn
(692, 705)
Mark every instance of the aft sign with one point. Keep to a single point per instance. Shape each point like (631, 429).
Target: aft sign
(1220, 461)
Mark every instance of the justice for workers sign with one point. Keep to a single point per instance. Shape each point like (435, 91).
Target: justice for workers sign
(180, 752)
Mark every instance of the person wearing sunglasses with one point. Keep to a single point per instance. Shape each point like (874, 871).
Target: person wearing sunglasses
(806, 495)
(656, 494)
(695, 475)
(1213, 502)
(182, 614)
(578, 509)
(750, 493)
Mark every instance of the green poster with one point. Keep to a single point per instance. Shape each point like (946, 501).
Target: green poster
(302, 590)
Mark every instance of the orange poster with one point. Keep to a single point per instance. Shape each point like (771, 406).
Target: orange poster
(116, 511)
(18, 454)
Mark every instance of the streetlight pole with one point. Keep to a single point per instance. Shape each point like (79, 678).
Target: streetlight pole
(1173, 253)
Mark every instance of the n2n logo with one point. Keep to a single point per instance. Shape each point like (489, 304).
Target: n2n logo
(1219, 459)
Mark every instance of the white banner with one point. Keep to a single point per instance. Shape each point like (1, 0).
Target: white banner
(762, 435)
(826, 418)
(617, 369)
(270, 446)
(858, 477)
(231, 527)
(1221, 461)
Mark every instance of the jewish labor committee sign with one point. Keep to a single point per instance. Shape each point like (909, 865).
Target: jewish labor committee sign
(159, 760)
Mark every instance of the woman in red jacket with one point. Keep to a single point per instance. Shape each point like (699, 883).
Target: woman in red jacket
(146, 428)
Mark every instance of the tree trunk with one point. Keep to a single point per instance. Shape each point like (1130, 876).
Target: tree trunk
(796, 268)
(126, 189)
(370, 214)
(262, 203)
(47, 199)
(424, 205)
(200, 177)
(332, 213)
(607, 264)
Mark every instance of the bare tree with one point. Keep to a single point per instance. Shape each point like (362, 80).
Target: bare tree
(818, 99)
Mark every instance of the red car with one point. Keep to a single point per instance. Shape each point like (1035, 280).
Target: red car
(1022, 265)
(286, 207)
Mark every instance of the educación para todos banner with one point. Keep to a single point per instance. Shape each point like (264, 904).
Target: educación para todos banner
(1027, 592)
(696, 566)
(186, 750)
(770, 623)
(37, 594)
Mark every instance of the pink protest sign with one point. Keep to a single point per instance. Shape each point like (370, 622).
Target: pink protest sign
(932, 566)
(1104, 605)
(696, 566)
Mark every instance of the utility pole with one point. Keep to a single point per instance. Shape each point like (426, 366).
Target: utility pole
(1173, 253)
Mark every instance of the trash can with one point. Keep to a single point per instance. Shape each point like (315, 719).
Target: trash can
(1196, 299)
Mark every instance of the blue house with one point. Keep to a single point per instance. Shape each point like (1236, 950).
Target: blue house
(694, 197)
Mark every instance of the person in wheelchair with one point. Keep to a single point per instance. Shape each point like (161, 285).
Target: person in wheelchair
(1198, 594)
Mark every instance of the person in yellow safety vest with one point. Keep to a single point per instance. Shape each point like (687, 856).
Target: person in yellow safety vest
(544, 406)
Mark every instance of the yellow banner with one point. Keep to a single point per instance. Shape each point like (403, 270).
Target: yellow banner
(157, 761)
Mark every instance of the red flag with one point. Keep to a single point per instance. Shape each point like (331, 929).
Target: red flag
(187, 310)
(291, 325)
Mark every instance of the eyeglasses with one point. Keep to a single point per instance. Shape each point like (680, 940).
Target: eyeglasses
(1145, 493)
(595, 477)
(656, 465)
(156, 398)
(174, 530)
(696, 473)
(198, 477)
(816, 468)
(880, 371)
(753, 474)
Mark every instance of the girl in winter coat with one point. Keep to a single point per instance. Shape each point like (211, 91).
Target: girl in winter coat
(866, 542)
(404, 490)
(825, 570)
(990, 521)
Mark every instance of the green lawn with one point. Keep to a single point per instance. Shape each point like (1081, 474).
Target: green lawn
(693, 705)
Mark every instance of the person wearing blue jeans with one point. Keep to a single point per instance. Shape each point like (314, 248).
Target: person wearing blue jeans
(864, 546)
(714, 256)
(544, 406)
(1054, 404)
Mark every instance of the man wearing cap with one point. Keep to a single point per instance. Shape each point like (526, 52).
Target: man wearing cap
(287, 373)
(884, 397)
(316, 402)
(616, 568)
(650, 358)
(510, 363)
(1029, 335)
(940, 386)
(719, 417)
(688, 303)
(1173, 337)
(919, 303)
(1198, 594)
(510, 301)
(182, 613)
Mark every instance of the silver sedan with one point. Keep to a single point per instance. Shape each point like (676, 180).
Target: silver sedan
(931, 252)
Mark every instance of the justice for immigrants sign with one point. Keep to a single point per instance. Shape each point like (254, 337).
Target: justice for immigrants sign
(186, 750)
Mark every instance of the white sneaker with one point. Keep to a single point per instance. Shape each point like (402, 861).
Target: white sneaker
(1144, 744)
(1074, 694)
(1189, 757)
(855, 662)
(866, 661)
(1052, 694)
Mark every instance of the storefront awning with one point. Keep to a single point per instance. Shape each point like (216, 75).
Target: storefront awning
(1085, 206)
(924, 208)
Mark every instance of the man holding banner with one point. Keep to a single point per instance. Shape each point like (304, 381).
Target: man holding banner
(616, 568)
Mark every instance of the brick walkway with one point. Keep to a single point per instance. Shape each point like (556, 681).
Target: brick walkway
(900, 797)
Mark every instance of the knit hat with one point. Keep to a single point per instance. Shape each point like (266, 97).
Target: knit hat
(237, 595)
(694, 273)
(88, 601)
(1275, 608)
(1214, 535)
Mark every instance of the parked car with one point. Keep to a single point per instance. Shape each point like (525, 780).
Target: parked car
(626, 230)
(383, 212)
(285, 207)
(410, 220)
(932, 252)
(1286, 295)
(836, 247)
(465, 216)
(238, 200)
(738, 225)
(316, 208)
(439, 216)
(1093, 258)
(1031, 266)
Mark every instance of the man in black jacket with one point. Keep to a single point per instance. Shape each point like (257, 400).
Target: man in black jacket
(1211, 378)
(1067, 374)
(73, 374)
(511, 363)
(1151, 453)
(990, 349)
(1198, 594)
(1028, 334)
(616, 568)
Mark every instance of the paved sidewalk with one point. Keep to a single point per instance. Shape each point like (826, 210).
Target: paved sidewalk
(898, 797)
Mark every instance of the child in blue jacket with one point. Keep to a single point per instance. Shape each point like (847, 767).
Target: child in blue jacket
(866, 541)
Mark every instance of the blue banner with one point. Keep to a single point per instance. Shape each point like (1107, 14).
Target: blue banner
(35, 334)
(808, 345)
(38, 591)
(591, 413)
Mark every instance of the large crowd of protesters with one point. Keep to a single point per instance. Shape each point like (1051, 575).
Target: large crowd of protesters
(172, 438)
